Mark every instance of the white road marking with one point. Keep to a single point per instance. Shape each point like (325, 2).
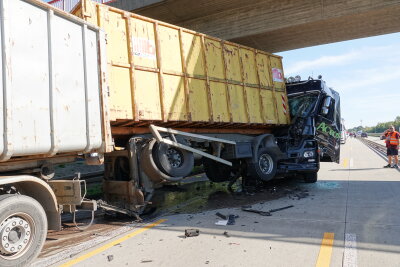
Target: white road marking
(350, 251)
(351, 162)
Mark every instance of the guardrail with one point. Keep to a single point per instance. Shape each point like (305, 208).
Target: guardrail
(68, 5)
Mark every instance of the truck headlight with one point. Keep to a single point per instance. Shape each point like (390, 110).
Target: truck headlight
(308, 154)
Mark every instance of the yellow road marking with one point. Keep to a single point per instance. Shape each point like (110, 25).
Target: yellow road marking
(111, 244)
(325, 252)
(345, 162)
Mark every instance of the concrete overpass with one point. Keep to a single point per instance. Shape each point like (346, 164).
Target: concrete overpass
(276, 25)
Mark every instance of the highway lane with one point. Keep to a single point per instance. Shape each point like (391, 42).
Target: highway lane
(350, 217)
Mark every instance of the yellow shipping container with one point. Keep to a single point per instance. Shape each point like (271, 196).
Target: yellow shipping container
(164, 74)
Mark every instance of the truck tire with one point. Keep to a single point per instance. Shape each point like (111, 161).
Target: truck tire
(149, 167)
(263, 166)
(215, 171)
(310, 177)
(173, 161)
(23, 230)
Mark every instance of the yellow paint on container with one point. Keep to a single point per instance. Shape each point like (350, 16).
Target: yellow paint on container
(120, 100)
(193, 54)
(174, 98)
(249, 68)
(232, 61)
(170, 49)
(268, 102)
(161, 72)
(215, 63)
(219, 102)
(237, 103)
(264, 70)
(148, 101)
(253, 99)
(198, 100)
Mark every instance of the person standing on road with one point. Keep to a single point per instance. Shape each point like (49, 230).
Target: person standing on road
(392, 145)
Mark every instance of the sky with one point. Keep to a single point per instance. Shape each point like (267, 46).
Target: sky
(365, 72)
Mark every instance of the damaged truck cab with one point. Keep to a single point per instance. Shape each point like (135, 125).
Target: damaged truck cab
(314, 134)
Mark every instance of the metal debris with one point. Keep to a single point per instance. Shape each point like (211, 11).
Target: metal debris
(192, 232)
(222, 222)
(110, 257)
(266, 213)
(262, 213)
(231, 219)
(283, 208)
(226, 234)
(222, 216)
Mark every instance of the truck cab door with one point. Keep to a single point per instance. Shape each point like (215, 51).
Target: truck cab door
(328, 130)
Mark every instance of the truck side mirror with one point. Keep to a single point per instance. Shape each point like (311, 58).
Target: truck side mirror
(326, 105)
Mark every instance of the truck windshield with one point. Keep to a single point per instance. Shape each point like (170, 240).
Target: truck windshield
(302, 105)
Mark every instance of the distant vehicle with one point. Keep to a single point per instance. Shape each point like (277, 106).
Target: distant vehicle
(343, 134)
(364, 135)
(343, 137)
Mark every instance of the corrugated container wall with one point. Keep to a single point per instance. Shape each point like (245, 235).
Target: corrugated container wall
(50, 98)
(161, 72)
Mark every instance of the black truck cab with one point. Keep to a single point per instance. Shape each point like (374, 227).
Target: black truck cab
(314, 133)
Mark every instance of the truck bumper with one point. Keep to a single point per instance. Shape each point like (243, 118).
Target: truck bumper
(297, 167)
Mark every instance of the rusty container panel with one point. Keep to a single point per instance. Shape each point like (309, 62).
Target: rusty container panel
(161, 73)
(52, 98)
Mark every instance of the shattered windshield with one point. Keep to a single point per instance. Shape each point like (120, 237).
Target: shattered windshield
(302, 105)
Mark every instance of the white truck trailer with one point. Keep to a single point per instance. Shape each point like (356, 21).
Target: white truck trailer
(52, 111)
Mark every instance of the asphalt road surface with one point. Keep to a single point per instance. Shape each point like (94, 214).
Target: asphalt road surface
(350, 217)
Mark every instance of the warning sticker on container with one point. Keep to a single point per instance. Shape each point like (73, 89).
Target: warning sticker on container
(277, 75)
(143, 47)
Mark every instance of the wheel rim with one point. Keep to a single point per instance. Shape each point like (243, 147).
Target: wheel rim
(175, 157)
(265, 163)
(16, 232)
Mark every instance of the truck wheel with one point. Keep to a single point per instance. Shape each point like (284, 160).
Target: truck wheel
(23, 230)
(149, 167)
(173, 161)
(310, 177)
(215, 171)
(265, 166)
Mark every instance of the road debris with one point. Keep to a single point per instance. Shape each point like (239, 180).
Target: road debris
(299, 195)
(192, 232)
(264, 213)
(110, 257)
(226, 234)
(283, 208)
(231, 219)
(222, 216)
(222, 222)
(146, 261)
